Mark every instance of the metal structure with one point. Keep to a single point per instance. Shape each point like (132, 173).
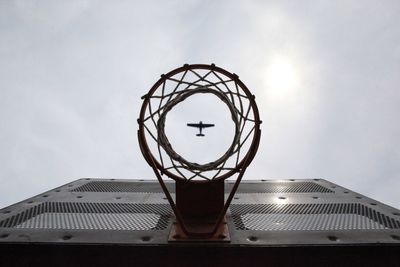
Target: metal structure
(105, 222)
(200, 206)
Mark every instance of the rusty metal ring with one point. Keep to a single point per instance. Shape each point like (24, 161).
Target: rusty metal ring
(239, 89)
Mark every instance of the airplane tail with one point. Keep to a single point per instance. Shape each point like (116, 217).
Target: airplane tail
(199, 134)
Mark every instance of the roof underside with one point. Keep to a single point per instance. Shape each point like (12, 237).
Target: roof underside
(263, 213)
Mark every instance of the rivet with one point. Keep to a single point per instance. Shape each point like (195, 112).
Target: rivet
(4, 235)
(395, 237)
(67, 237)
(252, 238)
(333, 238)
(146, 238)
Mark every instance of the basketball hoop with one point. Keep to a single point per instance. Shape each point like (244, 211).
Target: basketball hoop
(195, 181)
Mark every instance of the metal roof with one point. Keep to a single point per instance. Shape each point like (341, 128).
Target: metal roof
(265, 214)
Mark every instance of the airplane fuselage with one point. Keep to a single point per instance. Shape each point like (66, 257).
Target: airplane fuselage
(200, 125)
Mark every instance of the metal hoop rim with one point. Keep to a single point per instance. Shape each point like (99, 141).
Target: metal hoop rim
(247, 158)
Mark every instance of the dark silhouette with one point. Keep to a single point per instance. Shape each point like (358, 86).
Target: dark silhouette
(200, 125)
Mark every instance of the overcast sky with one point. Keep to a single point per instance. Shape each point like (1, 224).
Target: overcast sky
(326, 76)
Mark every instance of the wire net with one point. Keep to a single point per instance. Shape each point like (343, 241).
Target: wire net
(174, 88)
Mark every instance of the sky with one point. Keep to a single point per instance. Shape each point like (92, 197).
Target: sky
(325, 75)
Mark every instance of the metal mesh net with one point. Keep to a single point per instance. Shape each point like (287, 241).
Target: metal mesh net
(174, 88)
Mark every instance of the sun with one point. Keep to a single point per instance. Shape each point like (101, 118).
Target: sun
(281, 78)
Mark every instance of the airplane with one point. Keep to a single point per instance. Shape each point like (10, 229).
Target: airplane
(200, 125)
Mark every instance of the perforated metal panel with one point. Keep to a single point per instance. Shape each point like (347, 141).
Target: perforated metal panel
(284, 187)
(284, 212)
(92, 216)
(266, 187)
(310, 217)
(93, 221)
(109, 186)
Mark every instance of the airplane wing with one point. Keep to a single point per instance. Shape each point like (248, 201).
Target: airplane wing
(205, 125)
(193, 125)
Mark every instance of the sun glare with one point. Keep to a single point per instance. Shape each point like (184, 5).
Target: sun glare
(281, 78)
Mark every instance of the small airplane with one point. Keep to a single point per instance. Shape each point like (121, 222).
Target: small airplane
(200, 125)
